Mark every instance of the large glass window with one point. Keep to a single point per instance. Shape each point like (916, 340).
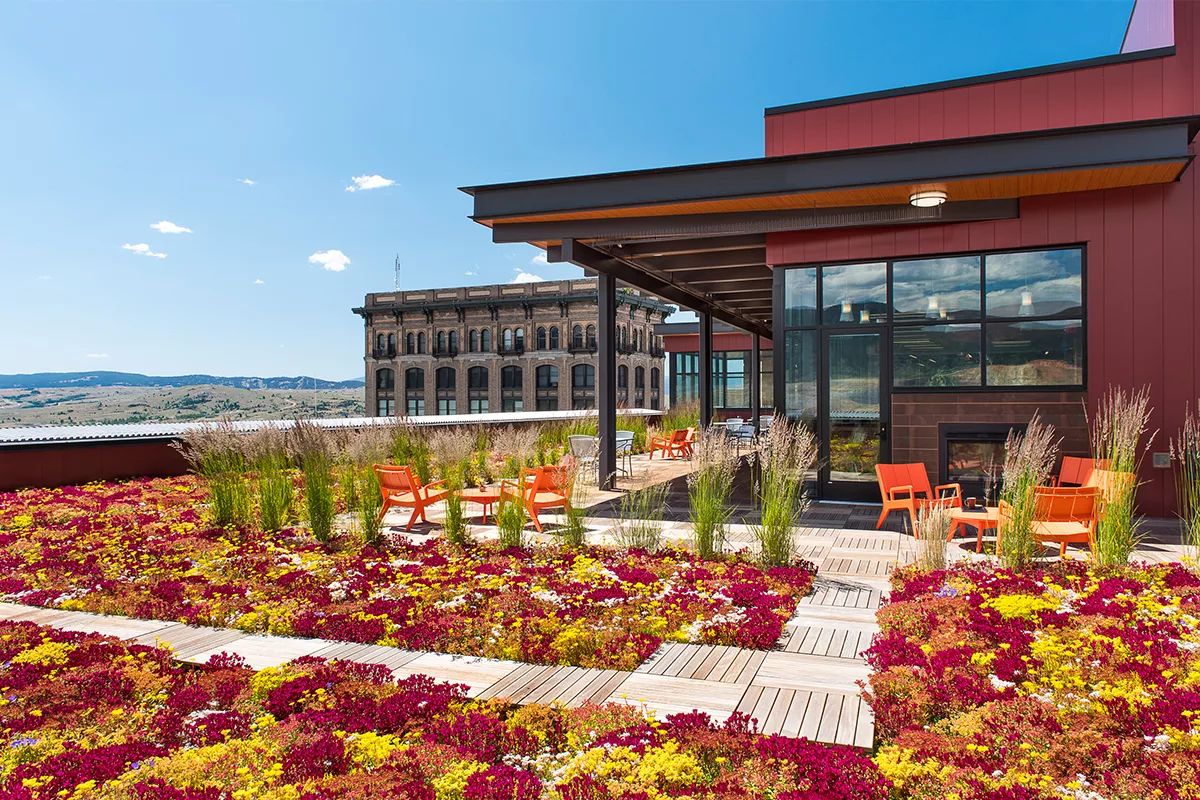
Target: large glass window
(1042, 353)
(994, 319)
(800, 375)
(583, 386)
(385, 380)
(800, 297)
(686, 377)
(936, 290)
(386, 407)
(729, 379)
(855, 294)
(936, 355)
(554, 338)
(1037, 284)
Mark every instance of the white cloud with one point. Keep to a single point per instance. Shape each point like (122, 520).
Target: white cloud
(43, 277)
(469, 272)
(97, 355)
(365, 182)
(169, 228)
(540, 258)
(332, 260)
(143, 249)
(246, 181)
(526, 277)
(258, 281)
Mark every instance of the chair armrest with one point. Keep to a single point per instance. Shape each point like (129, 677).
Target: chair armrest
(896, 489)
(433, 484)
(937, 490)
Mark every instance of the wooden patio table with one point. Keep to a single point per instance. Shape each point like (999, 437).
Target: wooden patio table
(981, 519)
(485, 496)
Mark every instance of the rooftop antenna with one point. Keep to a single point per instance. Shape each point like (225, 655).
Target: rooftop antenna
(396, 280)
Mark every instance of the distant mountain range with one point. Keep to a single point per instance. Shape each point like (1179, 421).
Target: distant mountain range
(61, 380)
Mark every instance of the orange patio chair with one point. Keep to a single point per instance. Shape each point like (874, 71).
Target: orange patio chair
(671, 446)
(402, 489)
(1075, 471)
(689, 442)
(905, 487)
(540, 488)
(1067, 514)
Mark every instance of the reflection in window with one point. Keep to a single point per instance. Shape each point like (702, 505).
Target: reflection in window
(800, 297)
(854, 294)
(686, 377)
(936, 289)
(729, 379)
(1035, 284)
(1042, 353)
(936, 355)
(800, 375)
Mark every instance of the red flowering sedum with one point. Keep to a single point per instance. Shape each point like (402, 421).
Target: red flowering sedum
(141, 548)
(84, 716)
(1065, 682)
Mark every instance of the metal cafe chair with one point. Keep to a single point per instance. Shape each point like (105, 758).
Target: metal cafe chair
(586, 453)
(625, 451)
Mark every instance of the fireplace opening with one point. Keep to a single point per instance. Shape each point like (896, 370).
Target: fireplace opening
(972, 455)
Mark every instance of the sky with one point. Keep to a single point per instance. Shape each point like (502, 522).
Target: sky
(211, 188)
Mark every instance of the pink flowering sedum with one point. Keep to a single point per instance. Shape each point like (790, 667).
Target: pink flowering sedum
(1065, 682)
(84, 716)
(142, 549)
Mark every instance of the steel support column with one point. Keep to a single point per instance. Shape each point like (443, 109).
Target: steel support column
(606, 377)
(755, 380)
(706, 387)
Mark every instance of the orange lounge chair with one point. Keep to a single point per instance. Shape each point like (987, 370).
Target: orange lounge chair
(1074, 471)
(1067, 514)
(671, 446)
(905, 487)
(402, 489)
(540, 488)
(689, 442)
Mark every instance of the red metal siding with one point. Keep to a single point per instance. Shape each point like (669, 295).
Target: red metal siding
(1141, 289)
(1149, 89)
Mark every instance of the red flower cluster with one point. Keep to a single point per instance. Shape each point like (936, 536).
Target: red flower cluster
(1068, 681)
(85, 716)
(141, 548)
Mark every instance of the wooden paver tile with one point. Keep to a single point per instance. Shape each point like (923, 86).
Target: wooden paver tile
(120, 627)
(601, 688)
(477, 673)
(796, 671)
(811, 723)
(501, 687)
(848, 720)
(663, 695)
(795, 715)
(261, 651)
(779, 711)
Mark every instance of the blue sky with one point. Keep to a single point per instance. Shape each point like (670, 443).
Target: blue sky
(119, 116)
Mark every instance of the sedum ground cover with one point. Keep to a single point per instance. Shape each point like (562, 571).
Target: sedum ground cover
(84, 716)
(142, 549)
(1063, 682)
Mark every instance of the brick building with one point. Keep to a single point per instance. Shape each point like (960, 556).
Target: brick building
(509, 347)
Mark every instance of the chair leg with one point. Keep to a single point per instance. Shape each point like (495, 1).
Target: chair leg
(416, 513)
(883, 515)
(382, 513)
(537, 525)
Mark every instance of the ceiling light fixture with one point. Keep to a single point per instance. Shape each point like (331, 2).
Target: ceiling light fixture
(927, 199)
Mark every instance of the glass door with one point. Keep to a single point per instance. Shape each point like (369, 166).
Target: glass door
(854, 424)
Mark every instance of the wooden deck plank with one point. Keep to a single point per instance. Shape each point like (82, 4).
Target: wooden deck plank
(762, 708)
(795, 671)
(720, 670)
(864, 729)
(779, 711)
(500, 688)
(811, 723)
(751, 667)
(848, 720)
(550, 684)
(746, 704)
(601, 689)
(704, 671)
(830, 717)
(795, 715)
(836, 642)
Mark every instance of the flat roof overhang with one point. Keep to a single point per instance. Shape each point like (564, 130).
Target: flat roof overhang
(696, 235)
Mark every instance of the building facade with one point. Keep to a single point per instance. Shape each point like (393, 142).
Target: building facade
(732, 370)
(934, 264)
(504, 348)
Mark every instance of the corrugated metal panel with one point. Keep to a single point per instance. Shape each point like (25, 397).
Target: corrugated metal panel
(57, 434)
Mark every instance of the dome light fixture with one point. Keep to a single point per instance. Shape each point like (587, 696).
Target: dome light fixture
(927, 199)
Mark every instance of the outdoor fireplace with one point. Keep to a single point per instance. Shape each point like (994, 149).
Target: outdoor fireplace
(972, 454)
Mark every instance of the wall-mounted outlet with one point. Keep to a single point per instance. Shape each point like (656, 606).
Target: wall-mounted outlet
(1161, 460)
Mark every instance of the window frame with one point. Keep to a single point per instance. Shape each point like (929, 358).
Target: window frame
(889, 323)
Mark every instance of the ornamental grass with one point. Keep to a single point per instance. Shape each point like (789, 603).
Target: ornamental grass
(85, 716)
(311, 447)
(1071, 680)
(781, 466)
(215, 452)
(145, 549)
(266, 452)
(640, 518)
(710, 486)
(1185, 456)
(1029, 459)
(1121, 422)
(933, 524)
